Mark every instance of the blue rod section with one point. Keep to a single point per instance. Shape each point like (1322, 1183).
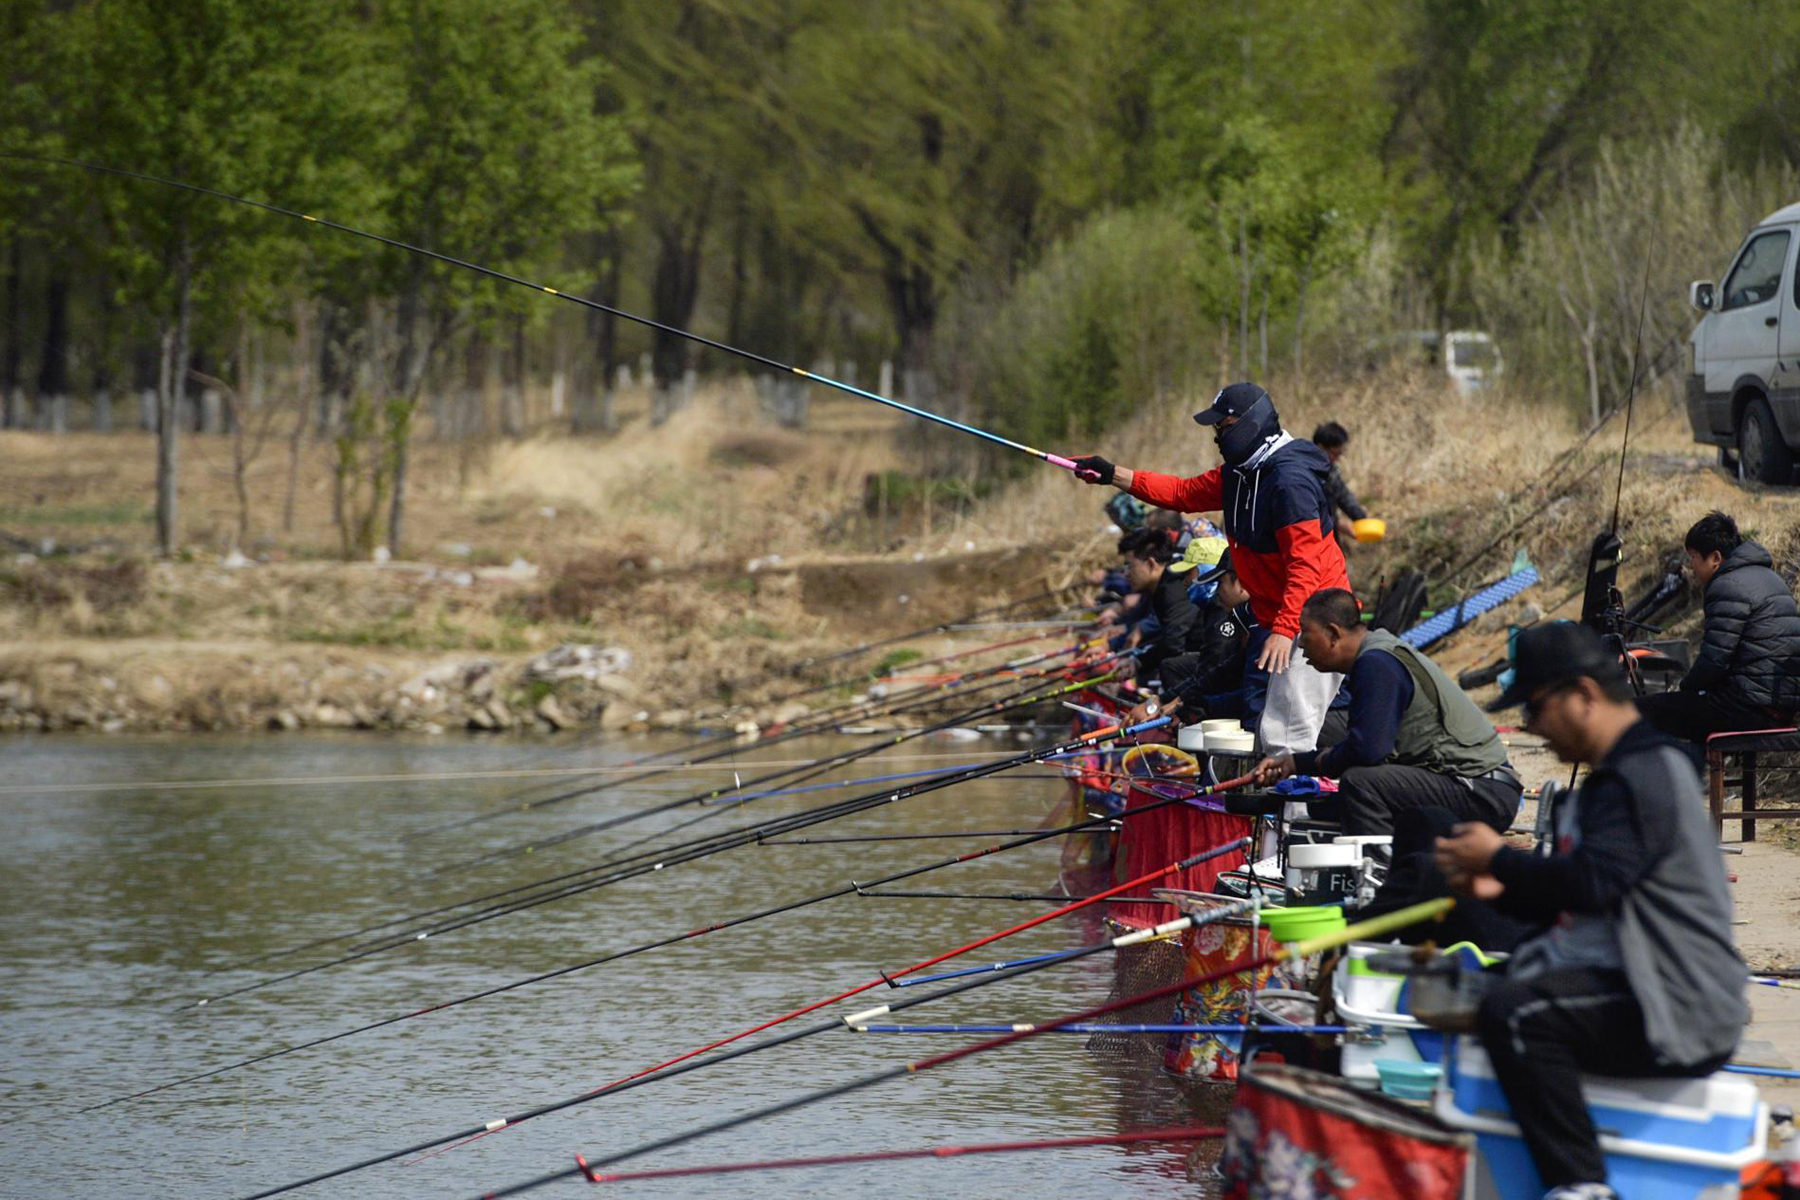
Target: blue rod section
(1772, 1072)
(1107, 1029)
(842, 783)
(999, 966)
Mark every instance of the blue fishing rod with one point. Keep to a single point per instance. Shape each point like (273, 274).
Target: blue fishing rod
(506, 277)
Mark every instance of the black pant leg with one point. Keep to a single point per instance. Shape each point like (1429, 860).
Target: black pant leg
(1540, 1033)
(1693, 716)
(1372, 796)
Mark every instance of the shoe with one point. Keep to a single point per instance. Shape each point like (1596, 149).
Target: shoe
(1581, 1191)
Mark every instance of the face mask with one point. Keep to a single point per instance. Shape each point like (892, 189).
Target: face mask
(1238, 443)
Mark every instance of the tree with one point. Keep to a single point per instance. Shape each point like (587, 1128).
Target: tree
(219, 93)
(496, 152)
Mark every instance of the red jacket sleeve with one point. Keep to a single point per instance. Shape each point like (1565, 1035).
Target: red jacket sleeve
(1195, 493)
(1311, 562)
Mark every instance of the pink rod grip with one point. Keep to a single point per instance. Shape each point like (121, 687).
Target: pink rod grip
(1057, 460)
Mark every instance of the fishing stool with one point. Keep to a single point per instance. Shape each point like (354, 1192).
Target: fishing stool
(1745, 746)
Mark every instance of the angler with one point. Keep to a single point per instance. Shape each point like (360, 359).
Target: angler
(1279, 522)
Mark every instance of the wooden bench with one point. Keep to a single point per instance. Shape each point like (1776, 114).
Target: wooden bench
(1745, 746)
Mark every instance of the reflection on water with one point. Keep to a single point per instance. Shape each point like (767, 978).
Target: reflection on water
(123, 906)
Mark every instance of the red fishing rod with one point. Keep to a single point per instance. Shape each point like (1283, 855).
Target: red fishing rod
(1361, 930)
(677, 1068)
(851, 889)
(1183, 1133)
(665, 857)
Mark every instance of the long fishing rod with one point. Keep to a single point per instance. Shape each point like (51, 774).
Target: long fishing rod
(1360, 930)
(1637, 341)
(505, 277)
(543, 890)
(623, 854)
(1019, 698)
(926, 630)
(694, 1061)
(689, 935)
(842, 783)
(886, 706)
(1183, 1133)
(701, 849)
(812, 722)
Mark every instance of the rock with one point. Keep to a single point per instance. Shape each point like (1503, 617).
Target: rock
(14, 694)
(502, 716)
(553, 715)
(363, 717)
(325, 715)
(481, 719)
(790, 712)
(670, 718)
(285, 719)
(615, 717)
(154, 692)
(235, 561)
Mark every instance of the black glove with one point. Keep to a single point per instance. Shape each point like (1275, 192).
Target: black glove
(1093, 469)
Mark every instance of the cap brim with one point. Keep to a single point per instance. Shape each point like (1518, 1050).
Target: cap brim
(1512, 697)
(1209, 416)
(1218, 570)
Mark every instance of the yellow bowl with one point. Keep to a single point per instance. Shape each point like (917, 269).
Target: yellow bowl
(1369, 529)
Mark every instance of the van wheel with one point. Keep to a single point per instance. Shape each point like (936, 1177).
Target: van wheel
(1764, 455)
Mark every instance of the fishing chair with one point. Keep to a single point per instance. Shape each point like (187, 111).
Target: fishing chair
(1744, 747)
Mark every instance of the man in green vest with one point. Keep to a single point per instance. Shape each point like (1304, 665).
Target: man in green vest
(1415, 741)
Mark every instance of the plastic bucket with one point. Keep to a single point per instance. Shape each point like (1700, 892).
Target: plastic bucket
(1297, 924)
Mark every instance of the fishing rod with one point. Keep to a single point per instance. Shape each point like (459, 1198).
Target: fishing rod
(1185, 1133)
(1361, 930)
(813, 722)
(701, 849)
(554, 887)
(621, 854)
(905, 837)
(1020, 698)
(689, 935)
(693, 1061)
(916, 698)
(1637, 341)
(1174, 1027)
(926, 630)
(505, 277)
(1045, 896)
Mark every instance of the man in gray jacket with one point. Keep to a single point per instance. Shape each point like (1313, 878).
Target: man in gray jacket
(1747, 674)
(1636, 973)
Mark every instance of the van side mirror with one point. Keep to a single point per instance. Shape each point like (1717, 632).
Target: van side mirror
(1700, 294)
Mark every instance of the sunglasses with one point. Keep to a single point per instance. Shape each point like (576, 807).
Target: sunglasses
(1534, 707)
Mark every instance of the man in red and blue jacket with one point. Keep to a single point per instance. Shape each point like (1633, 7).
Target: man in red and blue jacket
(1279, 521)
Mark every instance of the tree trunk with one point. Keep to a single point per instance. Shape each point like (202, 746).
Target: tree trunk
(171, 385)
(1300, 320)
(1243, 241)
(305, 384)
(673, 290)
(1262, 334)
(53, 366)
(12, 350)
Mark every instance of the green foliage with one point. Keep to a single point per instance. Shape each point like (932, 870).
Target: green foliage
(895, 659)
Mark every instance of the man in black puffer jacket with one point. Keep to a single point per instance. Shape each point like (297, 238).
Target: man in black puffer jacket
(1747, 675)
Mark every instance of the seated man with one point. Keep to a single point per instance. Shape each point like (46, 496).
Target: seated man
(1416, 740)
(1636, 974)
(1747, 675)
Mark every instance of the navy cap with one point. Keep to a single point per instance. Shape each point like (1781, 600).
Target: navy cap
(1234, 401)
(1555, 653)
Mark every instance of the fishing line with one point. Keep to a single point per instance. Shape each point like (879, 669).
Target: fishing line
(1637, 342)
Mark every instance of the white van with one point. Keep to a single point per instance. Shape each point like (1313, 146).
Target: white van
(1743, 388)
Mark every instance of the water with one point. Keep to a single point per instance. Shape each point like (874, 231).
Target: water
(119, 904)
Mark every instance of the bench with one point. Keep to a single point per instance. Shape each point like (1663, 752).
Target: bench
(1745, 746)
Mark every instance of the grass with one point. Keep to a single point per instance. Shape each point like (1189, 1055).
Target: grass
(112, 513)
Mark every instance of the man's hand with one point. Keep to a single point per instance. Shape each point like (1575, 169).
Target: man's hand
(1465, 858)
(1108, 616)
(1273, 769)
(1151, 709)
(1276, 653)
(1091, 468)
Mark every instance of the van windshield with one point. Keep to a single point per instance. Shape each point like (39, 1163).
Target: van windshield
(1475, 353)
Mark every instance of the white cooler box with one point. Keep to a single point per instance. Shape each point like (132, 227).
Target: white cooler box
(1665, 1139)
(1371, 1000)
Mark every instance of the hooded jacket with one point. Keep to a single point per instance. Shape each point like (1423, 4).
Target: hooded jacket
(1277, 518)
(1750, 652)
(1645, 865)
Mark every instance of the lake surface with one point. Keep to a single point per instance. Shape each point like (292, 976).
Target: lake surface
(123, 906)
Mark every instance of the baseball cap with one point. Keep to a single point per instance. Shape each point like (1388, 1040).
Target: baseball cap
(1233, 401)
(1200, 552)
(1217, 570)
(1553, 653)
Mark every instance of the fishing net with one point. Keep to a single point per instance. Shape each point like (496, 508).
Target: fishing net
(1136, 970)
(1296, 1133)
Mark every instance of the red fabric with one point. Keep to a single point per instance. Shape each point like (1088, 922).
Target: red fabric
(1170, 834)
(1309, 559)
(1278, 1144)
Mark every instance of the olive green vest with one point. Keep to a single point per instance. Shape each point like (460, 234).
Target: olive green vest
(1441, 730)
